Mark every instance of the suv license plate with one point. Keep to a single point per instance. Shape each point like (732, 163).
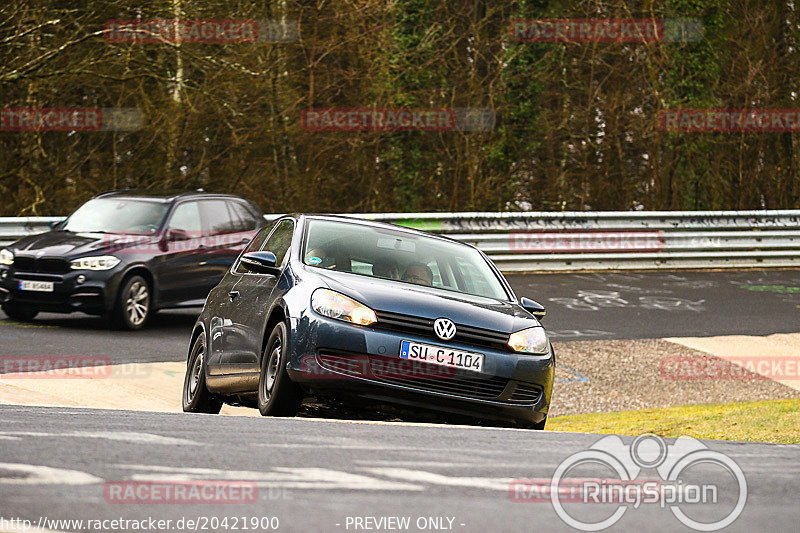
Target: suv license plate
(39, 286)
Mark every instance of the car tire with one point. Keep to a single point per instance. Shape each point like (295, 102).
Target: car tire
(196, 398)
(21, 313)
(278, 395)
(134, 304)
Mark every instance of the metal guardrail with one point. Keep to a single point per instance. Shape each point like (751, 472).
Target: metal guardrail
(545, 241)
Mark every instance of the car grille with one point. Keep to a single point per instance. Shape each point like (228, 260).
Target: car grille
(43, 265)
(526, 394)
(465, 385)
(424, 326)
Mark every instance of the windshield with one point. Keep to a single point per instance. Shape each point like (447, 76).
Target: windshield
(400, 256)
(115, 215)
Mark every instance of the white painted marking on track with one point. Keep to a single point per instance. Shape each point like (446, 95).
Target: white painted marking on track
(293, 478)
(45, 475)
(337, 446)
(123, 436)
(420, 476)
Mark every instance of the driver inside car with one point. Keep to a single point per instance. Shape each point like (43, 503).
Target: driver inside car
(419, 273)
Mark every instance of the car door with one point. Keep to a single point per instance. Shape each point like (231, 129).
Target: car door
(250, 300)
(220, 320)
(179, 269)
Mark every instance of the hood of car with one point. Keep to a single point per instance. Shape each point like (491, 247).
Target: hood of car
(69, 245)
(429, 302)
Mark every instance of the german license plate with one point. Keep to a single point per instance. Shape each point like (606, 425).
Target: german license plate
(440, 355)
(39, 286)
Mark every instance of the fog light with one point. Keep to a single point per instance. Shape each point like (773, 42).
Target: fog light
(80, 279)
(4, 274)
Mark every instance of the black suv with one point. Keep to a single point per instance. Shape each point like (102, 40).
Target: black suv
(126, 254)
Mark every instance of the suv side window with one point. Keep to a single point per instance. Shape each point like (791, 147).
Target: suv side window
(280, 240)
(217, 218)
(242, 218)
(185, 221)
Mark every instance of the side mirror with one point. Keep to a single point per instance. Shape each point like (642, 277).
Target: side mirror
(174, 235)
(534, 308)
(260, 263)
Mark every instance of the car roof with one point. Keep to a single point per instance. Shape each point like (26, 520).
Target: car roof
(378, 224)
(168, 196)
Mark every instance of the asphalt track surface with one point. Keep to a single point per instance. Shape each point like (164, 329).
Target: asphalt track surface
(580, 306)
(314, 474)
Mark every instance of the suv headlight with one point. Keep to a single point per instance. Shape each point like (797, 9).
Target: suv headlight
(6, 257)
(531, 340)
(335, 305)
(101, 262)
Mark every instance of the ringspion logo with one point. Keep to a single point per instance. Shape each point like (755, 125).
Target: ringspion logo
(693, 483)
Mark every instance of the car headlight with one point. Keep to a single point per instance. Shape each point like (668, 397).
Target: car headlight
(101, 262)
(6, 257)
(531, 340)
(335, 305)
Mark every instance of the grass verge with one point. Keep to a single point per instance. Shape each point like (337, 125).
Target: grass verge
(762, 421)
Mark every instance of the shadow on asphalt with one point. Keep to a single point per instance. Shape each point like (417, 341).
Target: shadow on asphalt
(182, 319)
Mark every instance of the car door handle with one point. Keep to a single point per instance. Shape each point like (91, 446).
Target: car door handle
(233, 295)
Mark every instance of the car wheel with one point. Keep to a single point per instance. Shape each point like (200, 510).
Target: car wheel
(278, 395)
(196, 397)
(133, 306)
(21, 313)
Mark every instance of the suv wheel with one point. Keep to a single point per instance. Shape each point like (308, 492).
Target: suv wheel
(196, 397)
(133, 306)
(278, 395)
(18, 312)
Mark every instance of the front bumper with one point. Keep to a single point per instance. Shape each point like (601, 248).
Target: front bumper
(94, 296)
(330, 356)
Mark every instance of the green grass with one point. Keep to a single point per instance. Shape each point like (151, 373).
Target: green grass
(761, 421)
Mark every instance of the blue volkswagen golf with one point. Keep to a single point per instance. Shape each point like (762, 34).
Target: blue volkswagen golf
(327, 305)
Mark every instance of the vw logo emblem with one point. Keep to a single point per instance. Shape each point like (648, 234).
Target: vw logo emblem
(444, 328)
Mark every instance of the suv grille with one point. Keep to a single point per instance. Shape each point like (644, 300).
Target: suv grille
(424, 326)
(44, 265)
